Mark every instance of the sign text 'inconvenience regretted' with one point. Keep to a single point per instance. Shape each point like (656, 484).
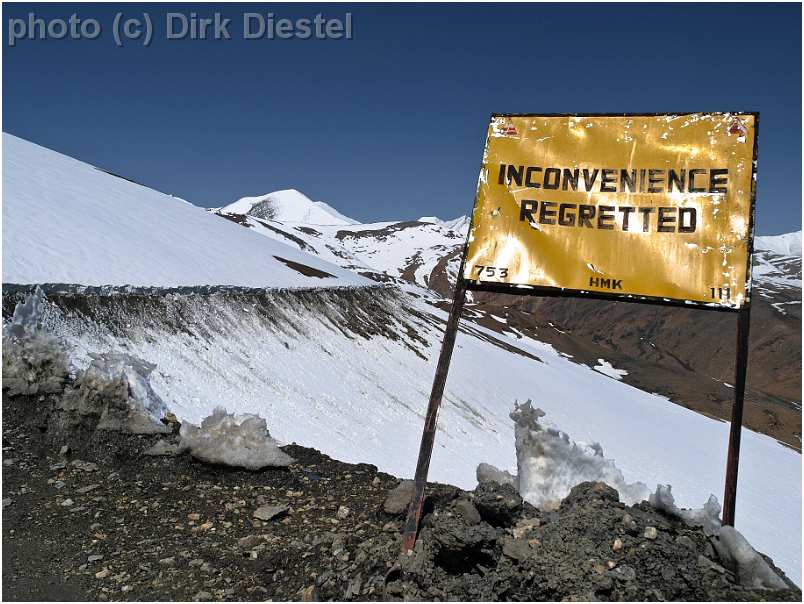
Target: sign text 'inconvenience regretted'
(651, 206)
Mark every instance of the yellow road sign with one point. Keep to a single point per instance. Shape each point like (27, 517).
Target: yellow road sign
(654, 207)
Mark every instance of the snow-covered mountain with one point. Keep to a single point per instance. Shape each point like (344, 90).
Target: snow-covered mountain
(777, 271)
(65, 221)
(788, 244)
(288, 206)
(424, 252)
(459, 225)
(347, 370)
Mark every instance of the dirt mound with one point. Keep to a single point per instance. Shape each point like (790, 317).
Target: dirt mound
(100, 520)
(592, 548)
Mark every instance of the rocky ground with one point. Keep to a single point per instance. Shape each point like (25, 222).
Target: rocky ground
(88, 516)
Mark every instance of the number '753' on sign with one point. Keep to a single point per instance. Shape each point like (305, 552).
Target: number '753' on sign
(491, 271)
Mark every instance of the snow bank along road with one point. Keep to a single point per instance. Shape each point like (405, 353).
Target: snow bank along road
(344, 369)
(349, 371)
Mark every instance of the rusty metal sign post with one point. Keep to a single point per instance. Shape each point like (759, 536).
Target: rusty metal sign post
(641, 208)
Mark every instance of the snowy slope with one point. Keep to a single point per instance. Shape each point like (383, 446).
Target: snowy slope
(409, 250)
(788, 244)
(359, 392)
(65, 221)
(288, 206)
(304, 237)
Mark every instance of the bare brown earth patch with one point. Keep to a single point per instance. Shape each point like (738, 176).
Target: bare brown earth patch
(685, 354)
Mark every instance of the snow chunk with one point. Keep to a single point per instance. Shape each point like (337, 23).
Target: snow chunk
(707, 517)
(751, 569)
(732, 548)
(124, 380)
(489, 473)
(33, 360)
(608, 369)
(549, 463)
(27, 315)
(234, 440)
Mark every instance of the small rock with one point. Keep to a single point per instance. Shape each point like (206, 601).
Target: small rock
(468, 512)
(650, 533)
(250, 541)
(517, 549)
(102, 574)
(64, 451)
(67, 503)
(343, 512)
(194, 516)
(525, 526)
(398, 499)
(376, 482)
(85, 466)
(498, 504)
(623, 573)
(310, 594)
(685, 541)
(617, 545)
(87, 489)
(162, 447)
(202, 596)
(630, 524)
(94, 558)
(268, 512)
(168, 561)
(6, 502)
(9, 462)
(196, 563)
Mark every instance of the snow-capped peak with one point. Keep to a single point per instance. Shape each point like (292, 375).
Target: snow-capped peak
(289, 205)
(459, 225)
(788, 244)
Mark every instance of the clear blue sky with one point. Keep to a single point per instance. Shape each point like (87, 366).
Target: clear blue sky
(390, 124)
